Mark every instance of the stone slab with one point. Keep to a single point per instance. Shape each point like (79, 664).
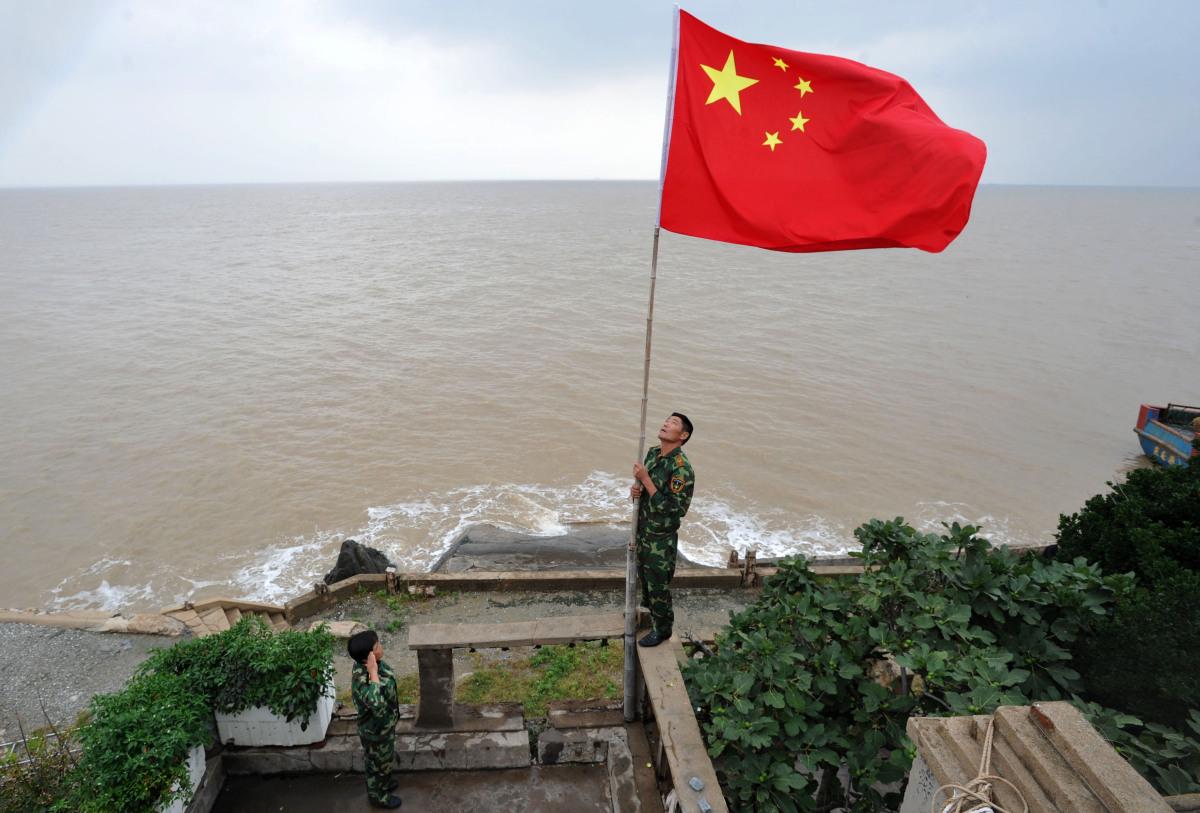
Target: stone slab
(74, 619)
(1048, 769)
(474, 636)
(571, 628)
(1049, 751)
(461, 751)
(686, 751)
(558, 746)
(470, 717)
(542, 632)
(645, 782)
(1120, 787)
(584, 713)
(210, 787)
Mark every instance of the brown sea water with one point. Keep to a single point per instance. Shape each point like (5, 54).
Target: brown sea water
(203, 390)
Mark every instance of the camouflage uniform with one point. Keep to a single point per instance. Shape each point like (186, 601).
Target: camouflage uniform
(378, 707)
(658, 524)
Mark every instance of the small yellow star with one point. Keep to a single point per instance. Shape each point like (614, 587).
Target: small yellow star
(804, 87)
(772, 140)
(727, 84)
(799, 122)
(779, 63)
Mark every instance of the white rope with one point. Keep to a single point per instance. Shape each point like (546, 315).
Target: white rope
(976, 795)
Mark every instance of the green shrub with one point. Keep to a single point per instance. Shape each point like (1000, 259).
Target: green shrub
(793, 692)
(134, 749)
(251, 665)
(1144, 657)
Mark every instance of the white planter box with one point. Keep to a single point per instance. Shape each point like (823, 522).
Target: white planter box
(258, 726)
(197, 765)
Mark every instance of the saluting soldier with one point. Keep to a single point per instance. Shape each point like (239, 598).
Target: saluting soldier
(373, 688)
(664, 487)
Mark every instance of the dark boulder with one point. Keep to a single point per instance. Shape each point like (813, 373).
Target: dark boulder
(354, 559)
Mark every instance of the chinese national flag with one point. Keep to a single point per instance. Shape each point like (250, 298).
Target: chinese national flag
(803, 152)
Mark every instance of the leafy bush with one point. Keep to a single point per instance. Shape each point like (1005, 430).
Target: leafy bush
(1145, 656)
(1168, 759)
(251, 665)
(799, 683)
(135, 746)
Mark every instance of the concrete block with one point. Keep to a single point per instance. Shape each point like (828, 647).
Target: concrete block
(210, 786)
(436, 672)
(498, 749)
(338, 755)
(595, 713)
(458, 751)
(559, 747)
(565, 629)
(266, 761)
(463, 636)
(1119, 786)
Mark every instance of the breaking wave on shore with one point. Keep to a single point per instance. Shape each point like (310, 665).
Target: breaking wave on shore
(416, 532)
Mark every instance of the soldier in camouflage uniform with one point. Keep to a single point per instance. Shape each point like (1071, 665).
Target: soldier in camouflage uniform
(664, 487)
(373, 687)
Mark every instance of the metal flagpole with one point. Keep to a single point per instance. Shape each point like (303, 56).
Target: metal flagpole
(631, 557)
(630, 687)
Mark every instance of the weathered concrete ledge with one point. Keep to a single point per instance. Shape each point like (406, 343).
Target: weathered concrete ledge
(97, 621)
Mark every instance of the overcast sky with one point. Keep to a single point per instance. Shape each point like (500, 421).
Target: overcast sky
(1093, 92)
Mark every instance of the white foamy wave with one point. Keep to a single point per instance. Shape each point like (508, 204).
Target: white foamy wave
(114, 594)
(714, 526)
(416, 532)
(282, 572)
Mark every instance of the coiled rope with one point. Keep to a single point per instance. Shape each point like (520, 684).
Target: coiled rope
(976, 795)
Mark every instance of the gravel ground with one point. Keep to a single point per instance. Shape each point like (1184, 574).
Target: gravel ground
(60, 669)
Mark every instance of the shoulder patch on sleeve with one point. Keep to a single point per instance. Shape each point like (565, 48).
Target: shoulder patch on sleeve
(676, 484)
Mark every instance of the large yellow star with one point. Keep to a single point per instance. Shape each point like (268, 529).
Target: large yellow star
(804, 87)
(799, 122)
(772, 141)
(727, 84)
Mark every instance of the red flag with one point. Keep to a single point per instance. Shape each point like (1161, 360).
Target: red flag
(803, 152)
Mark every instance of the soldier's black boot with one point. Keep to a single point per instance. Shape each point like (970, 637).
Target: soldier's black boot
(653, 639)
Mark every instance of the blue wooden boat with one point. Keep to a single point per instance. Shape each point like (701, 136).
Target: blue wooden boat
(1168, 434)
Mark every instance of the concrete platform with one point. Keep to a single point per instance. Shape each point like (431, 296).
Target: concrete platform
(579, 789)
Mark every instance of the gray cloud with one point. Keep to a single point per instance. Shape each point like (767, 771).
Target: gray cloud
(135, 91)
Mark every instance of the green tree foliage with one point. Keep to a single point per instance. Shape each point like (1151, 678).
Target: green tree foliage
(795, 691)
(1144, 656)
